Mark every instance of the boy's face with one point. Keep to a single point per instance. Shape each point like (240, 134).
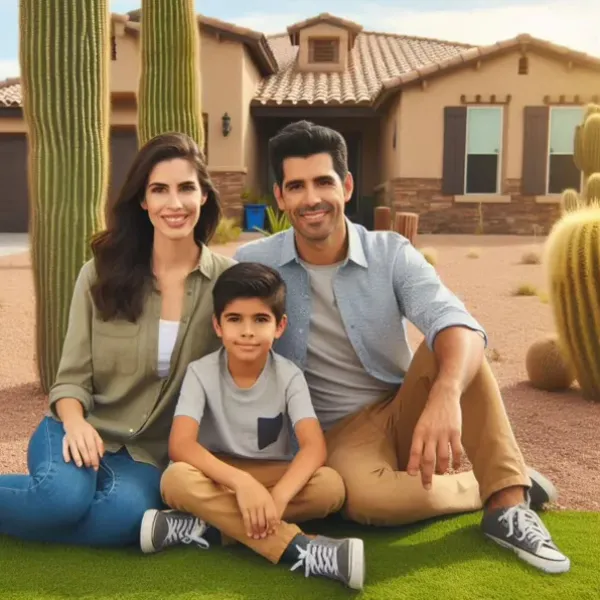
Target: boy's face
(248, 328)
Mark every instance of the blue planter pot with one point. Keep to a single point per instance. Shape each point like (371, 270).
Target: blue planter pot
(255, 216)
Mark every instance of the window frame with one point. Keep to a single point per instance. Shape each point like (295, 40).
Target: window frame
(549, 154)
(500, 164)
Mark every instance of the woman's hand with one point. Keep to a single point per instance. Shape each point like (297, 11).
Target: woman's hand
(82, 443)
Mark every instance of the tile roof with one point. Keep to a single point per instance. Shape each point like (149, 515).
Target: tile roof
(10, 92)
(375, 57)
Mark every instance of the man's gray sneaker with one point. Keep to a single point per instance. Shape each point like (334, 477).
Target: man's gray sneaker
(161, 529)
(542, 489)
(521, 530)
(343, 560)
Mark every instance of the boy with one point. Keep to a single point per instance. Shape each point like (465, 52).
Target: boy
(231, 449)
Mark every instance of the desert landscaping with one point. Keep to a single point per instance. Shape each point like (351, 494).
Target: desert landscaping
(501, 281)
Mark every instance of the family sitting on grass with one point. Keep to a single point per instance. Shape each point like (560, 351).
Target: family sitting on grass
(208, 400)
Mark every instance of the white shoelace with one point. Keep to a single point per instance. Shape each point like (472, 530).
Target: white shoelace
(187, 531)
(528, 525)
(318, 559)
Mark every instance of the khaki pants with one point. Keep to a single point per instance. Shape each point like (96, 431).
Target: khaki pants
(371, 448)
(187, 489)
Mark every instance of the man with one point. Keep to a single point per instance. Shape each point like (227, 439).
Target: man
(389, 416)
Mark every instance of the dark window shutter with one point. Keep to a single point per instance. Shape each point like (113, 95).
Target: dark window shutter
(535, 150)
(455, 139)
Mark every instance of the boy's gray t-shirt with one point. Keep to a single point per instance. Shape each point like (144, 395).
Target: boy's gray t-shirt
(248, 423)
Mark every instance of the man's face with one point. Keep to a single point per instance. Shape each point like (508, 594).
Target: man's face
(313, 196)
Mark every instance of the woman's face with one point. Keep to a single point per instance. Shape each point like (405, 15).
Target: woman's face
(174, 199)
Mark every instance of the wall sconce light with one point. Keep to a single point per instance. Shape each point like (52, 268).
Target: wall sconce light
(226, 124)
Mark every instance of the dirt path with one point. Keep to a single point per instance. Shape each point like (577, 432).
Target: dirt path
(558, 433)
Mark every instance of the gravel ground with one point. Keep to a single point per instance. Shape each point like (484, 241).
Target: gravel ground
(558, 432)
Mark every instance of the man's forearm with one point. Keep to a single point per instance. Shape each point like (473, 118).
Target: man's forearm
(459, 352)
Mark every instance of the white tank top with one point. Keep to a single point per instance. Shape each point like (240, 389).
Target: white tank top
(167, 335)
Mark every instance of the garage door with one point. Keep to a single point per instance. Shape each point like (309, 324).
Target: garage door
(14, 207)
(123, 148)
(14, 202)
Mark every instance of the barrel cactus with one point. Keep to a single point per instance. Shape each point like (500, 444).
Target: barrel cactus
(66, 105)
(587, 144)
(592, 188)
(570, 200)
(169, 87)
(546, 366)
(572, 259)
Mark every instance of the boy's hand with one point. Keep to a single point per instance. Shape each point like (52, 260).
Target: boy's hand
(257, 508)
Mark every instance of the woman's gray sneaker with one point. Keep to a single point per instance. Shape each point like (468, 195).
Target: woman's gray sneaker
(521, 530)
(343, 560)
(161, 529)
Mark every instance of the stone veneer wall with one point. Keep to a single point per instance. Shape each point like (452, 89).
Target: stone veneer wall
(441, 214)
(230, 185)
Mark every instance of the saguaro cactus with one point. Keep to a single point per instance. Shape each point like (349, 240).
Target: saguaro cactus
(64, 55)
(572, 259)
(169, 88)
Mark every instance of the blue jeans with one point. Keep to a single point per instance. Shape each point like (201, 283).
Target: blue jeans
(60, 502)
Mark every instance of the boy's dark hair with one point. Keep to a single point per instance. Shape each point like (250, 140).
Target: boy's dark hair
(303, 139)
(250, 280)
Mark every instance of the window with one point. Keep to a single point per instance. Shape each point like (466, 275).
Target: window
(113, 47)
(562, 172)
(483, 149)
(523, 65)
(323, 50)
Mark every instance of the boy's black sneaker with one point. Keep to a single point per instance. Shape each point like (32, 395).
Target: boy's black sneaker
(343, 560)
(521, 530)
(163, 528)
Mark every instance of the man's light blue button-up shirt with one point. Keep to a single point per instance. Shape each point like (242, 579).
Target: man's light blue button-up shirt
(383, 282)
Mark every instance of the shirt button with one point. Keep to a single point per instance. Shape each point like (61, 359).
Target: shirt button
(300, 330)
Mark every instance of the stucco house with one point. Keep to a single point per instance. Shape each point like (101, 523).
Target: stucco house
(449, 130)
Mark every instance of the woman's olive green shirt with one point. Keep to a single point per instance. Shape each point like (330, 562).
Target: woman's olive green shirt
(111, 366)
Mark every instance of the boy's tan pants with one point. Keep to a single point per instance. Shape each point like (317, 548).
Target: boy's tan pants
(371, 448)
(185, 488)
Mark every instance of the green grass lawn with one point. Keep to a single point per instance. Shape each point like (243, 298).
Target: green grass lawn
(447, 559)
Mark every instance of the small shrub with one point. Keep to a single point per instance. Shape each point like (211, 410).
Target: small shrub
(531, 257)
(543, 296)
(227, 231)
(473, 253)
(430, 255)
(525, 289)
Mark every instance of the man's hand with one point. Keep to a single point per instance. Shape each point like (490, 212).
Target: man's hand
(257, 508)
(440, 425)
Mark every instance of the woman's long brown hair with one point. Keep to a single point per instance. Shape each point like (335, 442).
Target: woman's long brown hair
(123, 251)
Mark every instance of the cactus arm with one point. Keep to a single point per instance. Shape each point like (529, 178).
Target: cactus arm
(169, 87)
(66, 105)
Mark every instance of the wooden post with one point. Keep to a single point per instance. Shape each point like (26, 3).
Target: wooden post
(407, 224)
(383, 218)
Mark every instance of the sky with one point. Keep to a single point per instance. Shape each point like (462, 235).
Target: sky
(572, 23)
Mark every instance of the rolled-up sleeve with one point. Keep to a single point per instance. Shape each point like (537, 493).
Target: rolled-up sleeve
(74, 375)
(425, 301)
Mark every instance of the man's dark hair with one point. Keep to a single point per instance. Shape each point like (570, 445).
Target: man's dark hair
(303, 139)
(250, 280)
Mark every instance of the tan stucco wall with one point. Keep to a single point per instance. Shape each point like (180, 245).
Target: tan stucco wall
(125, 71)
(250, 80)
(228, 77)
(421, 112)
(327, 31)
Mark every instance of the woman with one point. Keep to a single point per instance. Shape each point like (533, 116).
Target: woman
(141, 311)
